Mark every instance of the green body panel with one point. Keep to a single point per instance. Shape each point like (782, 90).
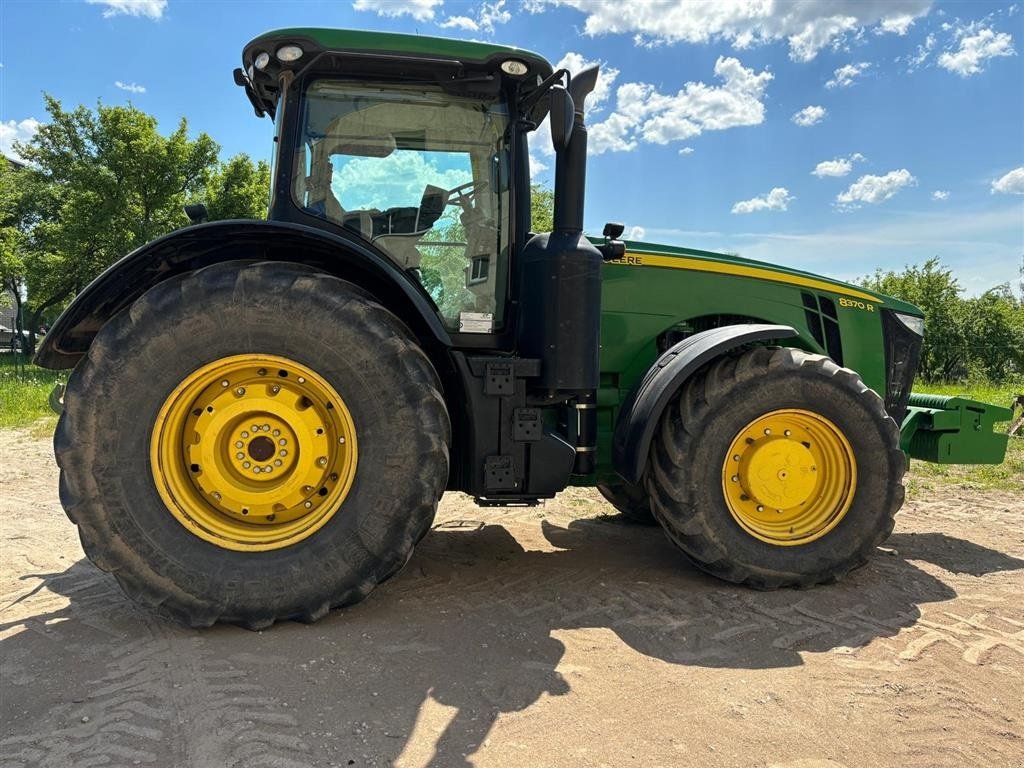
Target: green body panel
(353, 40)
(655, 288)
(953, 430)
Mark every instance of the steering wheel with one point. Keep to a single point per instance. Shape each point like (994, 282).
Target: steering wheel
(464, 193)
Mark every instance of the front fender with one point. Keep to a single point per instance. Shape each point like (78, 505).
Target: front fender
(641, 412)
(192, 248)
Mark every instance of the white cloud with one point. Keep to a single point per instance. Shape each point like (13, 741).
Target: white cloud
(420, 10)
(807, 26)
(643, 114)
(537, 165)
(977, 45)
(634, 233)
(1010, 184)
(776, 200)
(838, 167)
(488, 16)
(363, 183)
(130, 87)
(898, 25)
(16, 130)
(845, 76)
(152, 9)
(460, 22)
(916, 60)
(686, 151)
(874, 189)
(809, 116)
(940, 195)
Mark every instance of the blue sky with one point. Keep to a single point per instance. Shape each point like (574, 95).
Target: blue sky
(833, 136)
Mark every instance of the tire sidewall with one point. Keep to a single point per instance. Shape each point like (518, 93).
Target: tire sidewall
(321, 325)
(807, 390)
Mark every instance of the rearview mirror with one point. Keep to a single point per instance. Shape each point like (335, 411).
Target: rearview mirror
(561, 117)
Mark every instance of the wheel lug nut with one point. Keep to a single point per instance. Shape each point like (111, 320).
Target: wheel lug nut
(246, 465)
(239, 455)
(308, 504)
(224, 383)
(277, 433)
(216, 495)
(268, 469)
(275, 389)
(266, 427)
(307, 489)
(240, 391)
(238, 444)
(282, 441)
(787, 433)
(736, 457)
(301, 380)
(283, 453)
(322, 461)
(277, 462)
(760, 508)
(735, 478)
(341, 440)
(245, 434)
(255, 470)
(262, 372)
(767, 431)
(255, 428)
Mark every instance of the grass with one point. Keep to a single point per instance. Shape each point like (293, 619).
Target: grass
(25, 389)
(925, 478)
(24, 395)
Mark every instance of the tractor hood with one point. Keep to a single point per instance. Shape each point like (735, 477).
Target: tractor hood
(674, 257)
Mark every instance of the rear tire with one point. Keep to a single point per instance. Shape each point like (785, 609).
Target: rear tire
(690, 469)
(631, 501)
(114, 399)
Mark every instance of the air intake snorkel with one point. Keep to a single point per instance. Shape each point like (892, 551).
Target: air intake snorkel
(560, 314)
(571, 159)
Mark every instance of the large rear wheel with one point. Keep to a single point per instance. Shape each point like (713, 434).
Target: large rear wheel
(776, 468)
(252, 442)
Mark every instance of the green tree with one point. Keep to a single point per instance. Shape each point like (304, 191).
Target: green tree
(542, 208)
(934, 289)
(980, 337)
(238, 189)
(99, 183)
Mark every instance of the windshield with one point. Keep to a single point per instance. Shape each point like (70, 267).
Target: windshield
(421, 174)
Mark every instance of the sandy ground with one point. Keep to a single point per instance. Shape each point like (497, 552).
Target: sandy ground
(554, 636)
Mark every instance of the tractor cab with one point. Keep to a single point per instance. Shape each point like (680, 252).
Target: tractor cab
(414, 145)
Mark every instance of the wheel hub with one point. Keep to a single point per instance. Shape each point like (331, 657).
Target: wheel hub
(254, 452)
(789, 477)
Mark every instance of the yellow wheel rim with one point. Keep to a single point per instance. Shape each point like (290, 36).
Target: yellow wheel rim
(253, 452)
(789, 477)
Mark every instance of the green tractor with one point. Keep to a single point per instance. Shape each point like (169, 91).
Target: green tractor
(263, 415)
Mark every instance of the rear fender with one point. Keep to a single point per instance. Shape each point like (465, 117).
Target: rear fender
(641, 412)
(199, 246)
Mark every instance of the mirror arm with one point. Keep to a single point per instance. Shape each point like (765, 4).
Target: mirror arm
(545, 85)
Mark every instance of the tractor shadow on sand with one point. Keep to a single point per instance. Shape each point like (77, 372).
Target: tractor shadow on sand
(475, 626)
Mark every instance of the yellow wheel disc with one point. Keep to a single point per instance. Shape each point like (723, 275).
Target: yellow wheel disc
(253, 452)
(789, 477)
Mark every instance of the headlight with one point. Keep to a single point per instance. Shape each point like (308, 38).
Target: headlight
(289, 53)
(912, 322)
(262, 60)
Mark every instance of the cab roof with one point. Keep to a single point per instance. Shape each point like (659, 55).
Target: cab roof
(453, 63)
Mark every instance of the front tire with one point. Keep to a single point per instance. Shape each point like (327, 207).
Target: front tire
(776, 468)
(181, 485)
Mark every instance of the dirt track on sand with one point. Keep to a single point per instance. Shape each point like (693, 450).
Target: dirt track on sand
(554, 636)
